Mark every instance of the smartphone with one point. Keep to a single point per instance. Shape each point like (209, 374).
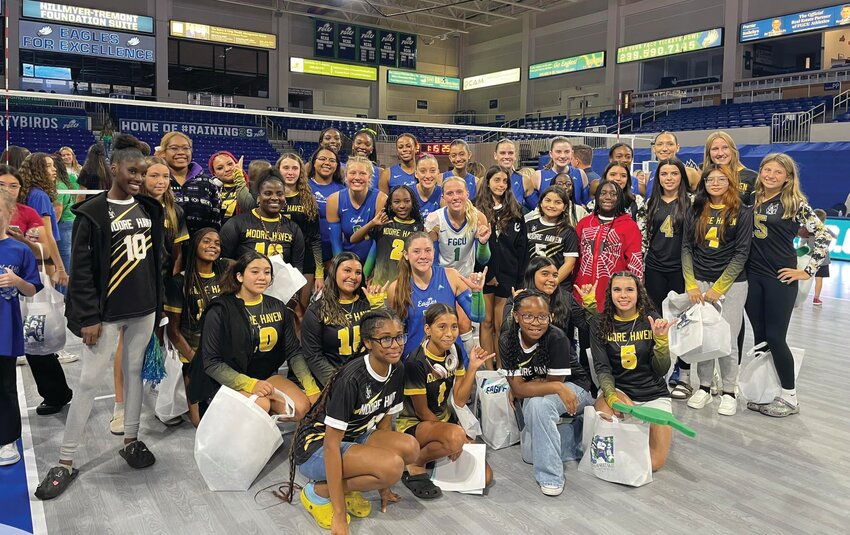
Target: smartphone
(16, 228)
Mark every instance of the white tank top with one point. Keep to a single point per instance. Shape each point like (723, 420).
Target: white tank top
(456, 245)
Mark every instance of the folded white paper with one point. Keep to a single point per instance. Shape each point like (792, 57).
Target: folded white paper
(466, 474)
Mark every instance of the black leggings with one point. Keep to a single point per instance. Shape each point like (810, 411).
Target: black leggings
(658, 285)
(10, 412)
(49, 379)
(770, 303)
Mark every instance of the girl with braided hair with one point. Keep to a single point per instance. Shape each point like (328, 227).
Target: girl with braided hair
(631, 355)
(345, 444)
(545, 375)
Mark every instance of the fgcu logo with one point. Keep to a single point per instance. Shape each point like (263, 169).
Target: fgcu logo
(347, 31)
(326, 27)
(369, 34)
(408, 40)
(72, 124)
(389, 38)
(602, 450)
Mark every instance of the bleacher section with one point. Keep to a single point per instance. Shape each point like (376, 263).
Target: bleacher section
(49, 141)
(122, 111)
(729, 115)
(565, 124)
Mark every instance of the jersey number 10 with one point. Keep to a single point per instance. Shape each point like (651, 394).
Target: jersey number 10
(135, 247)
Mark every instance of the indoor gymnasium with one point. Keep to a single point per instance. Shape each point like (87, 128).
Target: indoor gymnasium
(371, 267)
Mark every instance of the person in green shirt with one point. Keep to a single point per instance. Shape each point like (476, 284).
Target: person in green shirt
(64, 201)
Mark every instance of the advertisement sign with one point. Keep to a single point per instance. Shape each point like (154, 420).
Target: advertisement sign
(85, 42)
(217, 34)
(346, 41)
(423, 80)
(494, 78)
(323, 44)
(407, 51)
(671, 46)
(805, 21)
(87, 17)
(367, 38)
(389, 48)
(329, 68)
(44, 122)
(567, 65)
(162, 127)
(839, 248)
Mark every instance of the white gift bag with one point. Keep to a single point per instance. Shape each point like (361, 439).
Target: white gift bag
(803, 286)
(466, 474)
(466, 418)
(287, 280)
(616, 451)
(758, 380)
(499, 427)
(235, 440)
(171, 399)
(44, 319)
(701, 332)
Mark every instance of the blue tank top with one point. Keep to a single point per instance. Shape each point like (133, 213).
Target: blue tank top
(322, 192)
(432, 204)
(469, 179)
(351, 219)
(548, 175)
(398, 177)
(439, 290)
(376, 177)
(517, 187)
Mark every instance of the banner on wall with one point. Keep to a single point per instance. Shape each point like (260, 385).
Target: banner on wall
(86, 16)
(44, 121)
(407, 51)
(678, 44)
(329, 68)
(143, 126)
(346, 41)
(367, 39)
(389, 48)
(323, 46)
(218, 34)
(86, 42)
(423, 80)
(839, 248)
(567, 65)
(804, 21)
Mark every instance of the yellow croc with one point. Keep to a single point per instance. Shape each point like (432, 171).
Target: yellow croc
(357, 505)
(323, 514)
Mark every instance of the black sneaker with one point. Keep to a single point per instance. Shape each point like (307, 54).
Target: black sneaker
(45, 410)
(137, 455)
(55, 482)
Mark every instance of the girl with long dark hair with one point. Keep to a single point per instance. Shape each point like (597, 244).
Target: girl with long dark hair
(404, 172)
(325, 178)
(550, 233)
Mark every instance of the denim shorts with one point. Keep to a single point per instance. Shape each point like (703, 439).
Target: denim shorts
(314, 467)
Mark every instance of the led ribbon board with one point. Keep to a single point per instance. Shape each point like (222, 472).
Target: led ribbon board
(671, 46)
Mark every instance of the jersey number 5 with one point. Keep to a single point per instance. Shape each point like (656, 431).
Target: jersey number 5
(760, 224)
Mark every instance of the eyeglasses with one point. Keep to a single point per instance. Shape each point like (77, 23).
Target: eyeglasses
(326, 159)
(531, 318)
(716, 180)
(10, 186)
(182, 148)
(387, 341)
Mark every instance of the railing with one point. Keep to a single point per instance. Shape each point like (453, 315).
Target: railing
(597, 142)
(841, 100)
(650, 115)
(791, 80)
(694, 91)
(794, 127)
(273, 131)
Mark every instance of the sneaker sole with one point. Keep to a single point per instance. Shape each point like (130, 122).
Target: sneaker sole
(10, 461)
(551, 491)
(727, 413)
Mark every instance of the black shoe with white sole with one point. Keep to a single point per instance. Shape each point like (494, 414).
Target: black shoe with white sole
(137, 455)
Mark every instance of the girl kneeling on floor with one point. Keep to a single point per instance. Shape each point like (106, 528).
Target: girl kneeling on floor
(545, 374)
(346, 444)
(245, 339)
(429, 381)
(631, 355)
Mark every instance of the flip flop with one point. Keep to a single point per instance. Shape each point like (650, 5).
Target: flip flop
(421, 486)
(655, 416)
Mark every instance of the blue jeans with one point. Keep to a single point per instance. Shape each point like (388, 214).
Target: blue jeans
(314, 467)
(64, 243)
(551, 444)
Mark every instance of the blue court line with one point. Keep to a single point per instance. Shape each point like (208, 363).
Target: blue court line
(14, 496)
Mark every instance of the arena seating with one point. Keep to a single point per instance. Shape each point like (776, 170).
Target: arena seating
(43, 140)
(121, 111)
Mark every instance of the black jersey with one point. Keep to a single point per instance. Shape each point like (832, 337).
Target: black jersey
(357, 401)
(421, 379)
(747, 185)
(132, 274)
(191, 307)
(773, 237)
(508, 251)
(328, 347)
(269, 236)
(631, 358)
(268, 317)
(389, 245)
(544, 239)
(173, 237)
(309, 228)
(714, 260)
(528, 365)
(664, 248)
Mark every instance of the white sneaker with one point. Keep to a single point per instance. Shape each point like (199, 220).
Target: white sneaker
(9, 454)
(551, 490)
(116, 426)
(700, 399)
(66, 358)
(716, 383)
(728, 405)
(22, 361)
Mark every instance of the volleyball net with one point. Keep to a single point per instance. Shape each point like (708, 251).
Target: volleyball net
(45, 122)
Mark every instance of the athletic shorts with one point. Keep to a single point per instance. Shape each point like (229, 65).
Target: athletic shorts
(499, 290)
(665, 404)
(314, 467)
(823, 271)
(309, 263)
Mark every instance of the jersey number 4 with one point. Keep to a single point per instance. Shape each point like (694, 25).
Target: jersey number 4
(711, 238)
(667, 227)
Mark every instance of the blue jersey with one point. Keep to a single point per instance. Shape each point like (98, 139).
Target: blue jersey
(469, 179)
(517, 188)
(322, 192)
(376, 176)
(439, 290)
(16, 256)
(431, 204)
(636, 186)
(351, 219)
(581, 193)
(399, 178)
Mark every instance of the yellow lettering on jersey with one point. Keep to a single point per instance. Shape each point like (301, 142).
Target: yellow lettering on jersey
(640, 336)
(441, 397)
(628, 357)
(268, 339)
(617, 337)
(395, 232)
(260, 234)
(348, 347)
(760, 224)
(667, 227)
(398, 247)
(711, 238)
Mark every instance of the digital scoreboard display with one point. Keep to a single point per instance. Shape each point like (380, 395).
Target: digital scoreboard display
(671, 46)
(583, 62)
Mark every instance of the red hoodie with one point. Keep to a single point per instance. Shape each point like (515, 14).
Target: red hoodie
(605, 249)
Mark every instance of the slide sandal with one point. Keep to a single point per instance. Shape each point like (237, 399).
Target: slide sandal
(655, 416)
(421, 486)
